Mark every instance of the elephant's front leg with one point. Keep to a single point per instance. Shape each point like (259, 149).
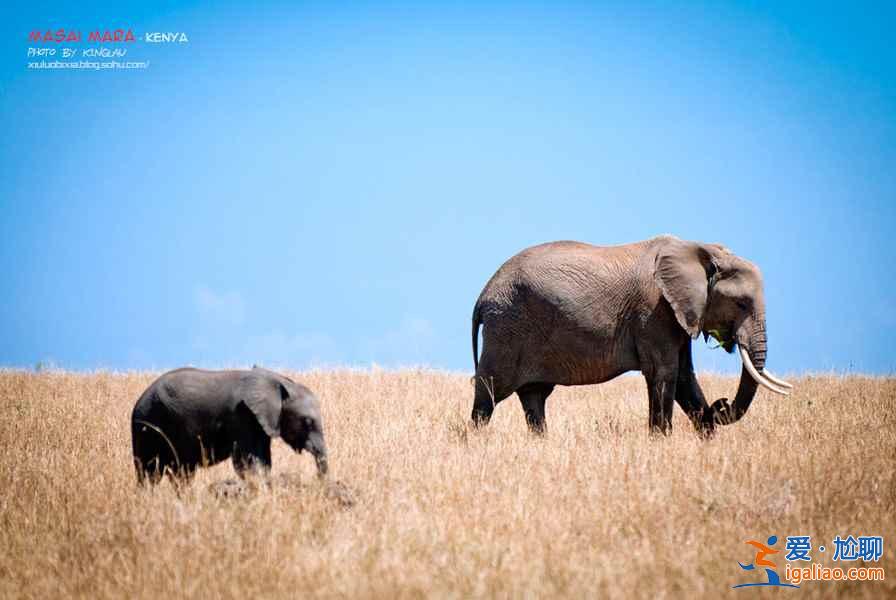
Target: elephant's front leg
(661, 397)
(661, 383)
(691, 400)
(252, 454)
(689, 395)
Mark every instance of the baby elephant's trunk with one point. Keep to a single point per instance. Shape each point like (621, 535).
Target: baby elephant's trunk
(318, 448)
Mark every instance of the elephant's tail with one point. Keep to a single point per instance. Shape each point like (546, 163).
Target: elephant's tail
(477, 320)
(146, 424)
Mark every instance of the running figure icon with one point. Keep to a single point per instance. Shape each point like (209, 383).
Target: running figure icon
(760, 560)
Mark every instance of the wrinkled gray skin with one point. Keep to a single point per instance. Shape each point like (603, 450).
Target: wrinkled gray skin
(190, 418)
(568, 313)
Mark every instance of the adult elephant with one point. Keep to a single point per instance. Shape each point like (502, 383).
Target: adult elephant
(568, 313)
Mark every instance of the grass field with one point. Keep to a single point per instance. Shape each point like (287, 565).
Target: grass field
(597, 508)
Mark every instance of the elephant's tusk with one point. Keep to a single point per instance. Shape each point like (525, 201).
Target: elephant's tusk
(776, 380)
(748, 364)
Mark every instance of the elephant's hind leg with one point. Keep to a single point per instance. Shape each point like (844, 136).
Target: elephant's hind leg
(484, 400)
(490, 390)
(180, 477)
(144, 475)
(149, 471)
(152, 458)
(533, 397)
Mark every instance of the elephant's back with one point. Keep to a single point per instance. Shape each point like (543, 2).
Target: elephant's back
(153, 394)
(552, 313)
(560, 272)
(143, 408)
(185, 407)
(187, 391)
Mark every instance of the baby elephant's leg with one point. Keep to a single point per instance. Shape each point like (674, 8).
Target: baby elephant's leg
(180, 477)
(252, 453)
(153, 453)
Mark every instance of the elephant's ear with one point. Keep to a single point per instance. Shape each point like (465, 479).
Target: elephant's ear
(264, 397)
(682, 271)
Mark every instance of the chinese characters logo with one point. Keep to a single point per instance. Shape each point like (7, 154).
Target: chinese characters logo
(865, 548)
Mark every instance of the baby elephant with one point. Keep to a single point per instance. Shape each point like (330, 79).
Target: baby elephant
(190, 418)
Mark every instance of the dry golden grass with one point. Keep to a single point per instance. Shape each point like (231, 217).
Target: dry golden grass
(597, 508)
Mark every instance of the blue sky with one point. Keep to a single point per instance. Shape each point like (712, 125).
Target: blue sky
(315, 185)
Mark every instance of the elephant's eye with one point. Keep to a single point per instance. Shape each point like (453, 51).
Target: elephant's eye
(308, 422)
(742, 303)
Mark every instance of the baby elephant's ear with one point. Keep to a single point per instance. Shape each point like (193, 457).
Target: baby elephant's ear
(265, 399)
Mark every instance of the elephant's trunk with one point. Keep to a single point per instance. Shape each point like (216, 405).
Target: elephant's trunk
(746, 391)
(322, 464)
(753, 343)
(318, 448)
